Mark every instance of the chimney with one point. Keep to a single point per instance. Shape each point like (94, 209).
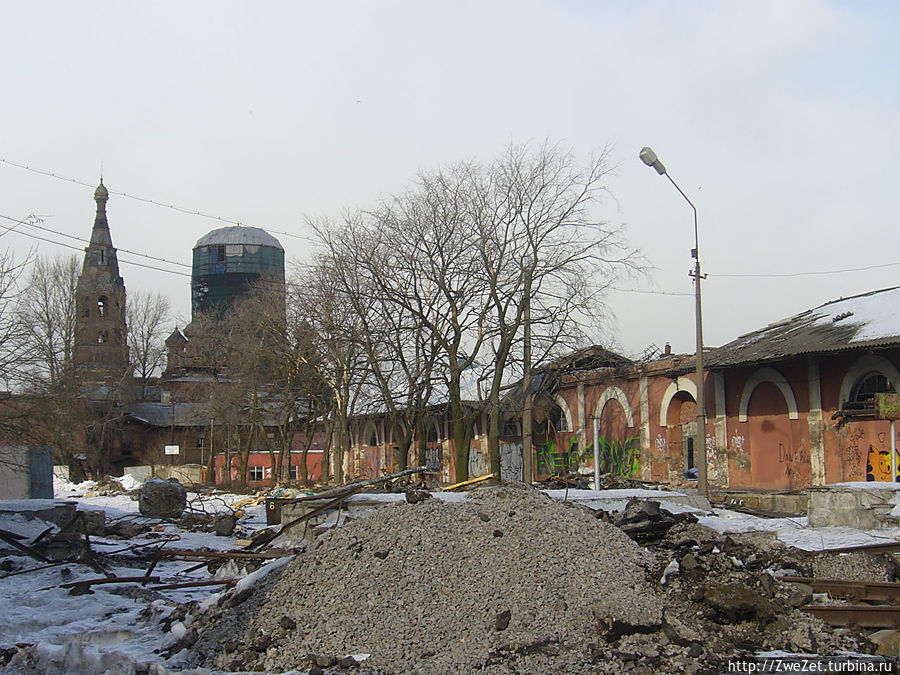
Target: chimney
(668, 350)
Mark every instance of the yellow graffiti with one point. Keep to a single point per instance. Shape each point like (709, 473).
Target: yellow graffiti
(878, 465)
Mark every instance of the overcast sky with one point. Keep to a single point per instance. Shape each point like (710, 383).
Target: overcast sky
(779, 119)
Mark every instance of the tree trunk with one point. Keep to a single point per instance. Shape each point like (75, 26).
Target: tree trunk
(462, 438)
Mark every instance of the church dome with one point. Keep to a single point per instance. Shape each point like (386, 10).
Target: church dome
(101, 192)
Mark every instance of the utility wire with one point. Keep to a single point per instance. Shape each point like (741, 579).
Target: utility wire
(195, 212)
(146, 200)
(650, 292)
(80, 250)
(32, 220)
(808, 274)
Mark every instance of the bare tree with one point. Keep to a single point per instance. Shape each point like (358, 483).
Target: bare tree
(462, 255)
(12, 329)
(544, 253)
(147, 318)
(46, 310)
(341, 360)
(401, 353)
(53, 412)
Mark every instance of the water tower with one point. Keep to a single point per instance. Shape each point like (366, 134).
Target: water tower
(228, 261)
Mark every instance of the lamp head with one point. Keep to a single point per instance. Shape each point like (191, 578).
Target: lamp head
(649, 158)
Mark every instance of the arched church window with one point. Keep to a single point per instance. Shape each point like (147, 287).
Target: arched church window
(869, 385)
(373, 438)
(557, 419)
(102, 305)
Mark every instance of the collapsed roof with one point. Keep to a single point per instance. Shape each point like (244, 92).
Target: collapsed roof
(865, 321)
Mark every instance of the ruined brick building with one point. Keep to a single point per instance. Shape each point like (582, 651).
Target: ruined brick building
(792, 405)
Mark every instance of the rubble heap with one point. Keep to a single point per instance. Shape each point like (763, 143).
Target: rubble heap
(508, 581)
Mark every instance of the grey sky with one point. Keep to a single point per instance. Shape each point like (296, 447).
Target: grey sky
(778, 119)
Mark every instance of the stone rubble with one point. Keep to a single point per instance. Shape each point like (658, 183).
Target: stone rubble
(432, 587)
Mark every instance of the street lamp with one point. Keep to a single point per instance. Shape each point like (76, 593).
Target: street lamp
(649, 158)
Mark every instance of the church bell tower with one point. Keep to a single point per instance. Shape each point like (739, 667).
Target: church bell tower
(101, 351)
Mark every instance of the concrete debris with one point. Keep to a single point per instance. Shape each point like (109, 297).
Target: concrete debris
(644, 521)
(429, 588)
(162, 498)
(672, 568)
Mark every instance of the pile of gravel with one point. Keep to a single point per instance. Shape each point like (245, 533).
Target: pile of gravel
(509, 581)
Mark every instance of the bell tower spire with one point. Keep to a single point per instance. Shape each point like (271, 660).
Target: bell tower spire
(101, 352)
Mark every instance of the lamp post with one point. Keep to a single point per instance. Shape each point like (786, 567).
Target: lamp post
(649, 158)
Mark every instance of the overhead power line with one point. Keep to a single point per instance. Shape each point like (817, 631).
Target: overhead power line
(807, 274)
(650, 292)
(77, 248)
(32, 220)
(232, 221)
(146, 200)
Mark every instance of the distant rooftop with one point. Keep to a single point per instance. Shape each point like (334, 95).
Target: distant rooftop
(237, 234)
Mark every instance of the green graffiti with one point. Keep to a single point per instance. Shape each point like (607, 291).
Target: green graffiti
(620, 458)
(549, 462)
(552, 463)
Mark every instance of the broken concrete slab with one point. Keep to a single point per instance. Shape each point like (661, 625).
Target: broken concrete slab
(612, 501)
(57, 511)
(864, 506)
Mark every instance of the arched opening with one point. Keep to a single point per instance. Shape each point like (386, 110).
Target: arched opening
(432, 433)
(102, 306)
(511, 428)
(862, 401)
(681, 429)
(617, 447)
(556, 420)
(775, 464)
(869, 385)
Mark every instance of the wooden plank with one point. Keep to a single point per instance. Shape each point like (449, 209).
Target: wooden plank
(466, 483)
(191, 584)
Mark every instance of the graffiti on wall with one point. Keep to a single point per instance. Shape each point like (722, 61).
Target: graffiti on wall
(476, 466)
(433, 457)
(878, 465)
(851, 453)
(511, 462)
(791, 459)
(511, 457)
(620, 457)
(741, 458)
(373, 462)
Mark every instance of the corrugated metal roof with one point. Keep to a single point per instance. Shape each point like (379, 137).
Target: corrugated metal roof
(869, 320)
(237, 234)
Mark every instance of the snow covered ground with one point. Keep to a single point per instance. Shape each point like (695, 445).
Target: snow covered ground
(123, 628)
(116, 628)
